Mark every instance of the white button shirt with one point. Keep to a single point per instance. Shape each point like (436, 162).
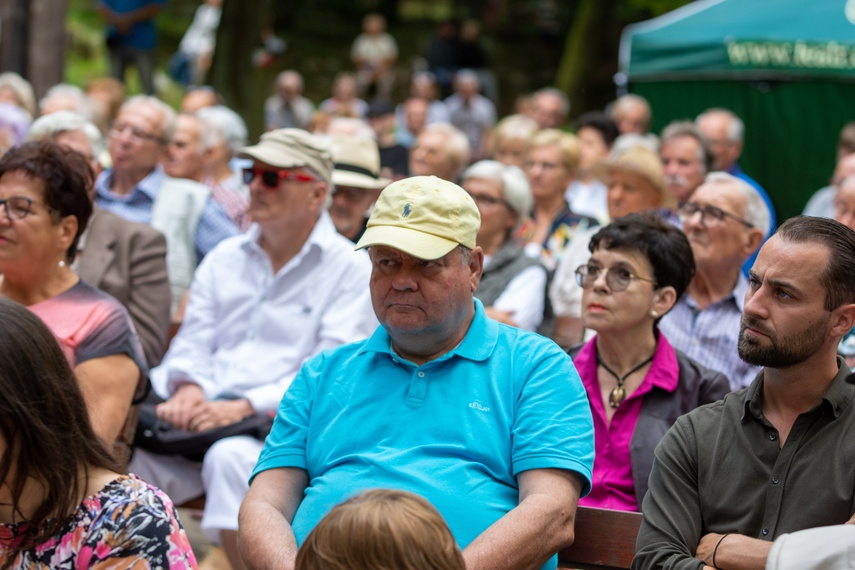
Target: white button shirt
(246, 331)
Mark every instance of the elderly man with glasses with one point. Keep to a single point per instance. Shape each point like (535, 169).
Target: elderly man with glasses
(261, 304)
(725, 221)
(137, 189)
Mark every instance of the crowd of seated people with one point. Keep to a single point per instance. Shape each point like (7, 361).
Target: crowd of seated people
(646, 258)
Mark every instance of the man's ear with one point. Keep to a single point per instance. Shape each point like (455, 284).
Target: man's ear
(476, 267)
(753, 241)
(842, 320)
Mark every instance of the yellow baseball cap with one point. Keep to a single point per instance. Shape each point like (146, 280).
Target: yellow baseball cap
(423, 216)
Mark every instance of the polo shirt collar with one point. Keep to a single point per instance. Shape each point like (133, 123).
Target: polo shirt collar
(477, 345)
(838, 396)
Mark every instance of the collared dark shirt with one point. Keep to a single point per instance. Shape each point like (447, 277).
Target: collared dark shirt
(720, 469)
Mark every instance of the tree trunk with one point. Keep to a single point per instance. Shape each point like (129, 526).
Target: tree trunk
(13, 40)
(233, 74)
(47, 42)
(581, 49)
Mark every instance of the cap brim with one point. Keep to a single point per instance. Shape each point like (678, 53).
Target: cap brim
(356, 180)
(273, 157)
(416, 243)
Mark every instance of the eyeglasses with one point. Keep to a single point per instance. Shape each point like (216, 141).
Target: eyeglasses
(485, 200)
(136, 134)
(617, 278)
(710, 215)
(273, 178)
(17, 207)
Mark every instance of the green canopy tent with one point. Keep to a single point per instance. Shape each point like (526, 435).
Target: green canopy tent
(786, 67)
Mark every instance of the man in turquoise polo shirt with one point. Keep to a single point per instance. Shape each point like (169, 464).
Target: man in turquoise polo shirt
(488, 422)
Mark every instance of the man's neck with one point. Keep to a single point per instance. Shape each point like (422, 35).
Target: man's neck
(123, 182)
(281, 242)
(790, 392)
(426, 348)
(708, 286)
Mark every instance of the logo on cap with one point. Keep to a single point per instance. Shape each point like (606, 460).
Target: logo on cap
(407, 210)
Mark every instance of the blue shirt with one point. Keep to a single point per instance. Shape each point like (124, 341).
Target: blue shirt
(142, 34)
(214, 224)
(456, 430)
(711, 335)
(736, 170)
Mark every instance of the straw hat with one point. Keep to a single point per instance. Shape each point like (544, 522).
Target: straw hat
(357, 163)
(642, 161)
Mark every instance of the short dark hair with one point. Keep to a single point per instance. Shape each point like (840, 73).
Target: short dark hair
(66, 175)
(44, 424)
(838, 277)
(664, 246)
(599, 122)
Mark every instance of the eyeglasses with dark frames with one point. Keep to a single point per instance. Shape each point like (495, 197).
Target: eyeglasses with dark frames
(710, 215)
(17, 207)
(273, 178)
(485, 200)
(617, 278)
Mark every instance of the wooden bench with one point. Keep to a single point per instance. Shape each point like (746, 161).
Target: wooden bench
(605, 540)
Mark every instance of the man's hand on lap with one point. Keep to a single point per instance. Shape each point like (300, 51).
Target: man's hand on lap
(219, 413)
(180, 408)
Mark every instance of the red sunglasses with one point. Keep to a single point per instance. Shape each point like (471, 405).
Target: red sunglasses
(273, 178)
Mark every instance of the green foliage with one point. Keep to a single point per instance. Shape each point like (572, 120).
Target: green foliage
(634, 10)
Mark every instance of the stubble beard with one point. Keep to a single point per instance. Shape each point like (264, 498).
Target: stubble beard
(783, 352)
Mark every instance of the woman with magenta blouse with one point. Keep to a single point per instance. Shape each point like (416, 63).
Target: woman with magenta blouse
(637, 384)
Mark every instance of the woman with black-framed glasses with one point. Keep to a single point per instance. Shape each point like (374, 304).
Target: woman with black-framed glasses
(637, 384)
(45, 208)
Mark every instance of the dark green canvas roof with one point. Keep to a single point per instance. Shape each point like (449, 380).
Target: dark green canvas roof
(757, 39)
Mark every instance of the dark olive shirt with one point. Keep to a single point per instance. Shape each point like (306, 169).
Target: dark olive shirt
(720, 469)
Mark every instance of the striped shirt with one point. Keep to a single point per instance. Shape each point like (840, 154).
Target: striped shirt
(710, 336)
(214, 225)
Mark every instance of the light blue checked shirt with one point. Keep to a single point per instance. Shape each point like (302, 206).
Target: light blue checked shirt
(214, 225)
(711, 335)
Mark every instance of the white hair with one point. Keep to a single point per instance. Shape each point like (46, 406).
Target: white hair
(206, 133)
(623, 102)
(22, 90)
(225, 125)
(52, 124)
(168, 124)
(735, 126)
(456, 144)
(82, 103)
(558, 94)
(351, 127)
(515, 187)
(756, 211)
(631, 140)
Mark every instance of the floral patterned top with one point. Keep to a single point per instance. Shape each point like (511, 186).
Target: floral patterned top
(565, 227)
(127, 524)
